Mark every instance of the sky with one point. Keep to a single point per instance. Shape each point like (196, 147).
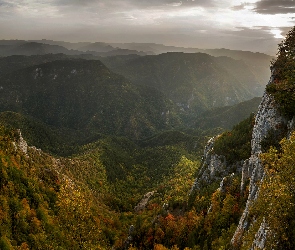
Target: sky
(256, 25)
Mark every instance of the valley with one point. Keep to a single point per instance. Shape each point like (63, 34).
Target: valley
(107, 146)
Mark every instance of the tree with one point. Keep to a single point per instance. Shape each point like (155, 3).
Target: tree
(276, 200)
(283, 68)
(81, 227)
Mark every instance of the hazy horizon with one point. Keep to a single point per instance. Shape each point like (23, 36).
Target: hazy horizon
(256, 26)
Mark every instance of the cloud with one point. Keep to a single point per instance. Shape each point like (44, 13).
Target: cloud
(239, 7)
(244, 6)
(119, 4)
(285, 30)
(257, 32)
(5, 4)
(194, 23)
(275, 6)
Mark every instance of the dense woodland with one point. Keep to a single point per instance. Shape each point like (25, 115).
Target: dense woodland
(92, 195)
(91, 159)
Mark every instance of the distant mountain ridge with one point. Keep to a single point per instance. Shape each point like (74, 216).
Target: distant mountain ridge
(118, 138)
(28, 48)
(194, 81)
(183, 85)
(258, 61)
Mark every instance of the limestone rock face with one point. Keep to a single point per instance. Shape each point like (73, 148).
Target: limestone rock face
(268, 118)
(260, 237)
(226, 182)
(214, 168)
(142, 204)
(21, 144)
(291, 127)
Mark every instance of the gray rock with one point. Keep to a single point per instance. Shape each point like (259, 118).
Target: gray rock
(142, 204)
(214, 167)
(268, 118)
(226, 182)
(260, 237)
(21, 144)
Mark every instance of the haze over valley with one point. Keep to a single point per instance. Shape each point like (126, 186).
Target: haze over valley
(160, 125)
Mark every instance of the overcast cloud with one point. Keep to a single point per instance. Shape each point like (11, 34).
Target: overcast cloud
(275, 6)
(251, 25)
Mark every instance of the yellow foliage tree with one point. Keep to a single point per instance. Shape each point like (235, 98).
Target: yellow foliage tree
(75, 216)
(276, 200)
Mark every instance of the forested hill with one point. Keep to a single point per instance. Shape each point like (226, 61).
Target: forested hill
(195, 82)
(87, 200)
(41, 206)
(91, 159)
(228, 116)
(84, 94)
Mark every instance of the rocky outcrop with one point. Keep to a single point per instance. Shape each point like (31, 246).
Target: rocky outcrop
(142, 204)
(267, 119)
(246, 174)
(260, 237)
(214, 168)
(129, 239)
(21, 144)
(212, 165)
(291, 127)
(226, 182)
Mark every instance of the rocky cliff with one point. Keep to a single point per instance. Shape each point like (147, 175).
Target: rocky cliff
(214, 167)
(268, 121)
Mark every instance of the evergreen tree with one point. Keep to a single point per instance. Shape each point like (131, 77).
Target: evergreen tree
(283, 72)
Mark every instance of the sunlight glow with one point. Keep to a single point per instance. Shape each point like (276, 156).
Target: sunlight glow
(277, 33)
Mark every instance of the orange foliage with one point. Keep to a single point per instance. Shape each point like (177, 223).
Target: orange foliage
(24, 246)
(160, 247)
(169, 217)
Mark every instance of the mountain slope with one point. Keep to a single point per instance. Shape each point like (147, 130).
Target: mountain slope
(268, 165)
(86, 201)
(195, 82)
(33, 48)
(257, 62)
(43, 47)
(227, 117)
(84, 94)
(50, 139)
(43, 206)
(264, 157)
(13, 63)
